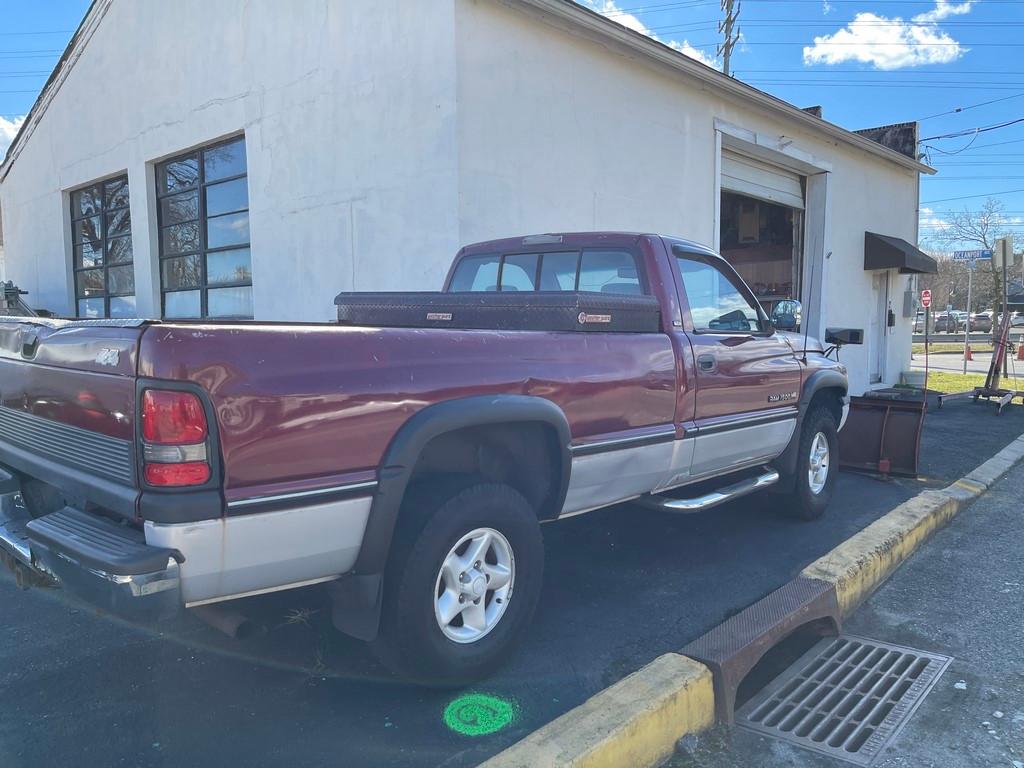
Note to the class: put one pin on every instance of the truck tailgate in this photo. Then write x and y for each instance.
(67, 406)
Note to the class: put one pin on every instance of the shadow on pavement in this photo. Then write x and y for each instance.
(622, 586)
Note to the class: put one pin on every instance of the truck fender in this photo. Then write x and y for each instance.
(826, 378)
(358, 596)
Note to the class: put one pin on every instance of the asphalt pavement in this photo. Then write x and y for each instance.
(622, 586)
(962, 595)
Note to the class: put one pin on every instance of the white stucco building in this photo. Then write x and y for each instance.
(255, 158)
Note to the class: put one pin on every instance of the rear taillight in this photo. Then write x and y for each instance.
(174, 432)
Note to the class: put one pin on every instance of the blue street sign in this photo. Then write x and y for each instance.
(972, 255)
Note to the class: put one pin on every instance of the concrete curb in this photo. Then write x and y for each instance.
(637, 721)
(859, 565)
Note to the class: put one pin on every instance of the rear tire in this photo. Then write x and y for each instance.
(433, 574)
(817, 465)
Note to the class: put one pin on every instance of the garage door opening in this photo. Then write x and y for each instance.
(761, 227)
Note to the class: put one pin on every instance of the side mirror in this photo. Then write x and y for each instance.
(786, 315)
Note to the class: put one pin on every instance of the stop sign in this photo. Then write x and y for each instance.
(926, 298)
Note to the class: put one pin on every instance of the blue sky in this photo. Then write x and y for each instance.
(866, 63)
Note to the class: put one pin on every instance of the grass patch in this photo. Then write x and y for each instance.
(946, 382)
(945, 347)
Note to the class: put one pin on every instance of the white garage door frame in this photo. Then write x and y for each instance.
(787, 156)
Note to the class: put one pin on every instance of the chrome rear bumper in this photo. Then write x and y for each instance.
(64, 555)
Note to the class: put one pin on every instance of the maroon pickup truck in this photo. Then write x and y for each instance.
(409, 453)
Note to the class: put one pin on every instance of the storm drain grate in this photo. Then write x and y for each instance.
(847, 697)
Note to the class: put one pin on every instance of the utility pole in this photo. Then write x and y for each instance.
(730, 31)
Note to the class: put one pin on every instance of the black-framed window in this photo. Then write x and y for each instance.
(595, 270)
(101, 233)
(203, 217)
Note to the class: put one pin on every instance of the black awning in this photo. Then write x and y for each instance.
(885, 252)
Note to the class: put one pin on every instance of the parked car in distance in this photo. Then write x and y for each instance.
(409, 453)
(981, 322)
(946, 322)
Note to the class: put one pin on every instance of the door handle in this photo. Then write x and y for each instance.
(706, 363)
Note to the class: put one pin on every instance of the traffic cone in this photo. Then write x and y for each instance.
(1020, 347)
(967, 352)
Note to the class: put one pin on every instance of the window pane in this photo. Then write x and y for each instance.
(180, 238)
(185, 272)
(178, 174)
(85, 256)
(229, 302)
(228, 267)
(715, 303)
(226, 197)
(119, 223)
(609, 272)
(115, 193)
(85, 202)
(88, 231)
(232, 229)
(179, 208)
(122, 306)
(90, 283)
(182, 304)
(519, 272)
(558, 271)
(121, 280)
(90, 308)
(476, 273)
(119, 250)
(225, 160)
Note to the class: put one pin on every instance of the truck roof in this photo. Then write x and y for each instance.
(577, 239)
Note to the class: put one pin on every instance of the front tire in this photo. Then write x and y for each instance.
(463, 579)
(817, 466)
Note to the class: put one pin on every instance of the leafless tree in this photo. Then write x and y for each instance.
(968, 229)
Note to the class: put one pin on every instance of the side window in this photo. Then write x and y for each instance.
(716, 303)
(558, 271)
(476, 273)
(519, 272)
(102, 230)
(609, 272)
(203, 215)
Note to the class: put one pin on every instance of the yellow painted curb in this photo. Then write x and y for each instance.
(863, 562)
(635, 722)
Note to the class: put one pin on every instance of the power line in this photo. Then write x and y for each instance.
(46, 32)
(957, 110)
(970, 131)
(969, 197)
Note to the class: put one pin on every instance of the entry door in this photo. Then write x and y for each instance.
(747, 379)
(879, 325)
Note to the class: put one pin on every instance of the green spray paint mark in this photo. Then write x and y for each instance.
(478, 714)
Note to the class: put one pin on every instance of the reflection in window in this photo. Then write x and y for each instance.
(203, 212)
(716, 303)
(101, 231)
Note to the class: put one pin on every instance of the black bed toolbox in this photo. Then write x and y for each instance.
(579, 311)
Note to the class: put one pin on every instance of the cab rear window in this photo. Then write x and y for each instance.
(601, 271)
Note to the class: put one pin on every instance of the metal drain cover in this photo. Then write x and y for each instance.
(847, 697)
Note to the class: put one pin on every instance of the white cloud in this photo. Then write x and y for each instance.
(826, 7)
(611, 10)
(942, 10)
(8, 130)
(891, 43)
(929, 220)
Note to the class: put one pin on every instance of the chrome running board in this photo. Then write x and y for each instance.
(714, 498)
